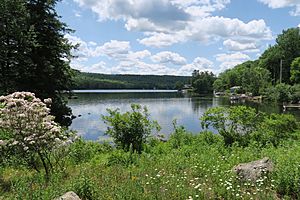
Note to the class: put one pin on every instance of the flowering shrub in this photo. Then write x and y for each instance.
(30, 129)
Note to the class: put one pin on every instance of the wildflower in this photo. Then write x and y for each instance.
(197, 186)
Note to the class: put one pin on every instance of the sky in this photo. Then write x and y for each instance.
(172, 37)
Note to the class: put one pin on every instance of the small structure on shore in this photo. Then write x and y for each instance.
(286, 106)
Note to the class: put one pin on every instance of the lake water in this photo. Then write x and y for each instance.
(164, 106)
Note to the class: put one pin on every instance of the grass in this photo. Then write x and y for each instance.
(185, 167)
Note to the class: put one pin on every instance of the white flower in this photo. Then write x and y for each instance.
(197, 186)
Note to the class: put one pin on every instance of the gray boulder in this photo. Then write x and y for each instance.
(254, 170)
(69, 196)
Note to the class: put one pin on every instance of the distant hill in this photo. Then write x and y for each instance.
(107, 81)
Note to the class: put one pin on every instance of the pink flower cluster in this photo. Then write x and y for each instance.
(28, 122)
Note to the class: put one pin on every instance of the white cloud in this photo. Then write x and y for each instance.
(113, 49)
(167, 22)
(83, 50)
(284, 3)
(168, 57)
(241, 45)
(199, 63)
(210, 29)
(161, 39)
(230, 60)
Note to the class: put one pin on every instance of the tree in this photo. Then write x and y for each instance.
(286, 49)
(131, 129)
(36, 59)
(289, 44)
(16, 42)
(295, 71)
(234, 124)
(252, 78)
(202, 82)
(270, 60)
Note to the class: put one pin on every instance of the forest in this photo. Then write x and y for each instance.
(83, 80)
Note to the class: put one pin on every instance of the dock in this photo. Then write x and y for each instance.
(290, 106)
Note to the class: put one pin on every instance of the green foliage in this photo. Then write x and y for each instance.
(83, 151)
(276, 128)
(287, 48)
(200, 168)
(122, 158)
(179, 85)
(34, 54)
(248, 75)
(234, 124)
(295, 70)
(244, 125)
(106, 81)
(255, 76)
(281, 93)
(180, 137)
(85, 188)
(202, 82)
(131, 129)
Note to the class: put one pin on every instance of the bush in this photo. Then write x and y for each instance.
(276, 128)
(85, 188)
(30, 131)
(234, 124)
(131, 129)
(242, 125)
(82, 151)
(280, 93)
(180, 137)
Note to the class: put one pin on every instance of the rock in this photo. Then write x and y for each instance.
(69, 196)
(253, 170)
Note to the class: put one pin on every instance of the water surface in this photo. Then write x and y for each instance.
(164, 106)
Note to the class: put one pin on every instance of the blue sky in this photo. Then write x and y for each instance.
(173, 37)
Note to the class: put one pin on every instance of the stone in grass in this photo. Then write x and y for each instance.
(69, 196)
(253, 170)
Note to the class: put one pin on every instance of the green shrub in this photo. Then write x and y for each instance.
(131, 129)
(180, 137)
(243, 125)
(120, 157)
(234, 124)
(280, 93)
(82, 151)
(85, 188)
(276, 128)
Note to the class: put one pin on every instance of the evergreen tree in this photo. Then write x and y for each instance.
(37, 54)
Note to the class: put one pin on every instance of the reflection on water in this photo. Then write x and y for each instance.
(163, 107)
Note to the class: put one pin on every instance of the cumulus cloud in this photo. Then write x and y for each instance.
(241, 45)
(127, 61)
(199, 63)
(113, 49)
(168, 57)
(83, 50)
(167, 22)
(284, 3)
(230, 60)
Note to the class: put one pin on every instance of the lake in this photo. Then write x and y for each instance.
(163, 105)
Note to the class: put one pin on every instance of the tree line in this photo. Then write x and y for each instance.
(275, 74)
(85, 80)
